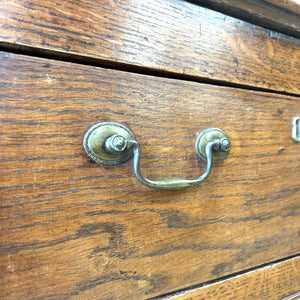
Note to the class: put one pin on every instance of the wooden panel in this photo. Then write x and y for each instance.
(293, 297)
(289, 5)
(74, 229)
(173, 35)
(280, 15)
(272, 282)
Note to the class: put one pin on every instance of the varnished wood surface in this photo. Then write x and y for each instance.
(172, 35)
(279, 15)
(72, 229)
(289, 5)
(273, 282)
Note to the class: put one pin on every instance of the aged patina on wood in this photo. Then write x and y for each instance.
(272, 282)
(280, 15)
(172, 36)
(77, 230)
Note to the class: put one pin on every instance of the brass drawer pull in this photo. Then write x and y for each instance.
(112, 143)
(296, 129)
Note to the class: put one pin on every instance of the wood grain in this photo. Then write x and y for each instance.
(289, 5)
(273, 282)
(279, 15)
(173, 35)
(73, 229)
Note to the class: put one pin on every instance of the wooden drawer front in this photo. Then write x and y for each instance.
(74, 229)
(171, 35)
(273, 282)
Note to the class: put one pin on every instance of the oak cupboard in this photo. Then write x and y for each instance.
(74, 229)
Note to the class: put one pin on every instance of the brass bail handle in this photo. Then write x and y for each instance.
(112, 143)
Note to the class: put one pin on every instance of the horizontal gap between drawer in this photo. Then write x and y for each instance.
(231, 276)
(91, 61)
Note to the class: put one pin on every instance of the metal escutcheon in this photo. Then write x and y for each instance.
(94, 143)
(112, 143)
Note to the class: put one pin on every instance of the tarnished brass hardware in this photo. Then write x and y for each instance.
(112, 143)
(296, 129)
(209, 135)
(101, 146)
